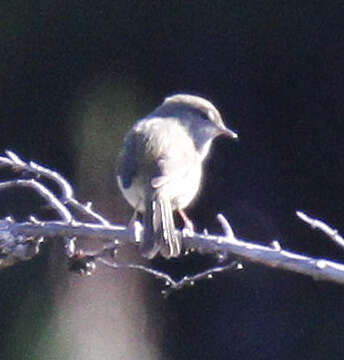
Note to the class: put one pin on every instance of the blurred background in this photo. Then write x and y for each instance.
(76, 74)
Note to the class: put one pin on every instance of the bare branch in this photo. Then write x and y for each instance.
(170, 283)
(44, 192)
(318, 269)
(322, 226)
(18, 164)
(75, 229)
(21, 240)
(66, 188)
(87, 210)
(275, 257)
(4, 161)
(16, 161)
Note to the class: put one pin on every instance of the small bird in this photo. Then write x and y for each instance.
(160, 166)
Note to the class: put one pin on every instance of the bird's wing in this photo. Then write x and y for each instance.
(127, 162)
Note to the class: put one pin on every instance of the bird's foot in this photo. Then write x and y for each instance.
(188, 229)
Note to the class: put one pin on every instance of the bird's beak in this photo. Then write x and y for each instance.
(228, 132)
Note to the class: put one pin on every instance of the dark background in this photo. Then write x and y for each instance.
(275, 71)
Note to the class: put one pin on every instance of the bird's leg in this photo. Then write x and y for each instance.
(136, 227)
(133, 219)
(188, 224)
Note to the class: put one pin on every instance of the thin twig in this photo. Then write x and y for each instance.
(87, 210)
(66, 189)
(44, 192)
(322, 226)
(170, 283)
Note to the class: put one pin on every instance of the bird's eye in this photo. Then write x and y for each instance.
(209, 115)
(204, 116)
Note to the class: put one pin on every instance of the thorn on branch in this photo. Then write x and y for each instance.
(227, 229)
(276, 245)
(221, 257)
(17, 163)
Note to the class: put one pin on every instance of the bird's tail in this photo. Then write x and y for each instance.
(159, 230)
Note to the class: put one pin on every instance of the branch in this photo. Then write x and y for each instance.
(21, 240)
(171, 284)
(323, 227)
(274, 256)
(44, 192)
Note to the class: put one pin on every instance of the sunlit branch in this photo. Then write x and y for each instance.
(21, 240)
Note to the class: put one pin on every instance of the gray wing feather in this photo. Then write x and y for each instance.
(127, 164)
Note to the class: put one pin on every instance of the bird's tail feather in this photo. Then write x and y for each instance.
(152, 242)
(159, 230)
(171, 243)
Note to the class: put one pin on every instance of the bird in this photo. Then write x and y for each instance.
(160, 166)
